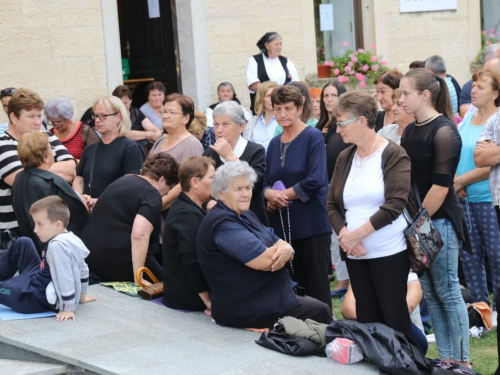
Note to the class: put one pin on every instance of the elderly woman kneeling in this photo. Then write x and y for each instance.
(244, 262)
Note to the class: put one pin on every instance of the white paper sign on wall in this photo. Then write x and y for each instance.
(326, 17)
(154, 8)
(426, 5)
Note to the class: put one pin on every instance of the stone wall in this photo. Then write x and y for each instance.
(55, 48)
(235, 26)
(404, 37)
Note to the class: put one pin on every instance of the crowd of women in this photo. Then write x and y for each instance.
(241, 216)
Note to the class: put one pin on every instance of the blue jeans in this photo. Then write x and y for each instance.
(444, 299)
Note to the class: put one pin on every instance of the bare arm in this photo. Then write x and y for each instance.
(254, 86)
(348, 309)
(463, 109)
(414, 295)
(474, 175)
(139, 135)
(205, 297)
(141, 232)
(435, 198)
(167, 200)
(78, 184)
(9, 180)
(264, 261)
(486, 154)
(65, 169)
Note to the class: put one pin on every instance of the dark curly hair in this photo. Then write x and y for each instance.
(161, 165)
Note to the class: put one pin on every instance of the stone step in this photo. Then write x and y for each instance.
(11, 367)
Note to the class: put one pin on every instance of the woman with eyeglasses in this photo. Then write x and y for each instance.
(113, 156)
(367, 194)
(5, 96)
(177, 114)
(74, 135)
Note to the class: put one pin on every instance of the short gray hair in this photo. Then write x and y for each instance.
(226, 173)
(59, 108)
(489, 52)
(436, 64)
(232, 109)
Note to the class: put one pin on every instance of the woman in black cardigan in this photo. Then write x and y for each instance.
(229, 122)
(185, 287)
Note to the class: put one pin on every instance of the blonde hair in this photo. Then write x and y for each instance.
(261, 94)
(112, 104)
(32, 149)
(199, 124)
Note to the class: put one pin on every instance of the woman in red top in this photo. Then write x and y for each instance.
(74, 135)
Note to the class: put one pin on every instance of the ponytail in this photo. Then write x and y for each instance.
(443, 100)
(424, 79)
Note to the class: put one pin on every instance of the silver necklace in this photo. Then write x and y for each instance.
(367, 157)
(289, 232)
(285, 147)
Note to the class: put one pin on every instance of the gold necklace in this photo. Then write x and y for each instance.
(365, 159)
(428, 120)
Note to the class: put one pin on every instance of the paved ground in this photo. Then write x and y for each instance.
(119, 334)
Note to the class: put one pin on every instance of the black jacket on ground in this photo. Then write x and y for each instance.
(33, 184)
(391, 351)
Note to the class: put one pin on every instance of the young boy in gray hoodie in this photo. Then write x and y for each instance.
(59, 279)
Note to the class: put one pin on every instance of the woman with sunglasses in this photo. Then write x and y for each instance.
(113, 156)
(367, 194)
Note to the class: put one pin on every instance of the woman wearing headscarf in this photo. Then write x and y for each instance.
(269, 65)
(225, 92)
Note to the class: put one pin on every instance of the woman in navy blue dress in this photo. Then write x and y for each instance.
(295, 186)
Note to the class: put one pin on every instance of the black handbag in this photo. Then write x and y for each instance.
(422, 238)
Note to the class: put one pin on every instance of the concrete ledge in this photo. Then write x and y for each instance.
(30, 368)
(119, 334)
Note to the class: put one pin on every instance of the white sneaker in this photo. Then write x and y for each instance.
(494, 318)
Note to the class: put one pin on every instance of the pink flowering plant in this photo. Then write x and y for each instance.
(357, 68)
(488, 38)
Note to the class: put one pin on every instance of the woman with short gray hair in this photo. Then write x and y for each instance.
(244, 262)
(75, 135)
(229, 122)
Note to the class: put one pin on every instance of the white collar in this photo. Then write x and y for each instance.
(238, 149)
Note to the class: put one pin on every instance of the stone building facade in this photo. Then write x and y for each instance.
(72, 47)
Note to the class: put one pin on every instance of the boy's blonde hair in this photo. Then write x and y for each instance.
(56, 208)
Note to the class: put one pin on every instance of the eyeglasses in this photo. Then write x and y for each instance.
(343, 124)
(7, 92)
(103, 117)
(170, 113)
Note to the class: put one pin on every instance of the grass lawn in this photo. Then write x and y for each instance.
(483, 351)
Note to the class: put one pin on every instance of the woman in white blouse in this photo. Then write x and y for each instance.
(269, 65)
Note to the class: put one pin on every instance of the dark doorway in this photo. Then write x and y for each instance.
(150, 45)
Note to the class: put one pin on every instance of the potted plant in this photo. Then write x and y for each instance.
(486, 40)
(357, 68)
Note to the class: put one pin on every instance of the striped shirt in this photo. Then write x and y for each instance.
(10, 163)
(491, 132)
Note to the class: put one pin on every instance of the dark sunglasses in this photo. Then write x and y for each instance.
(7, 92)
